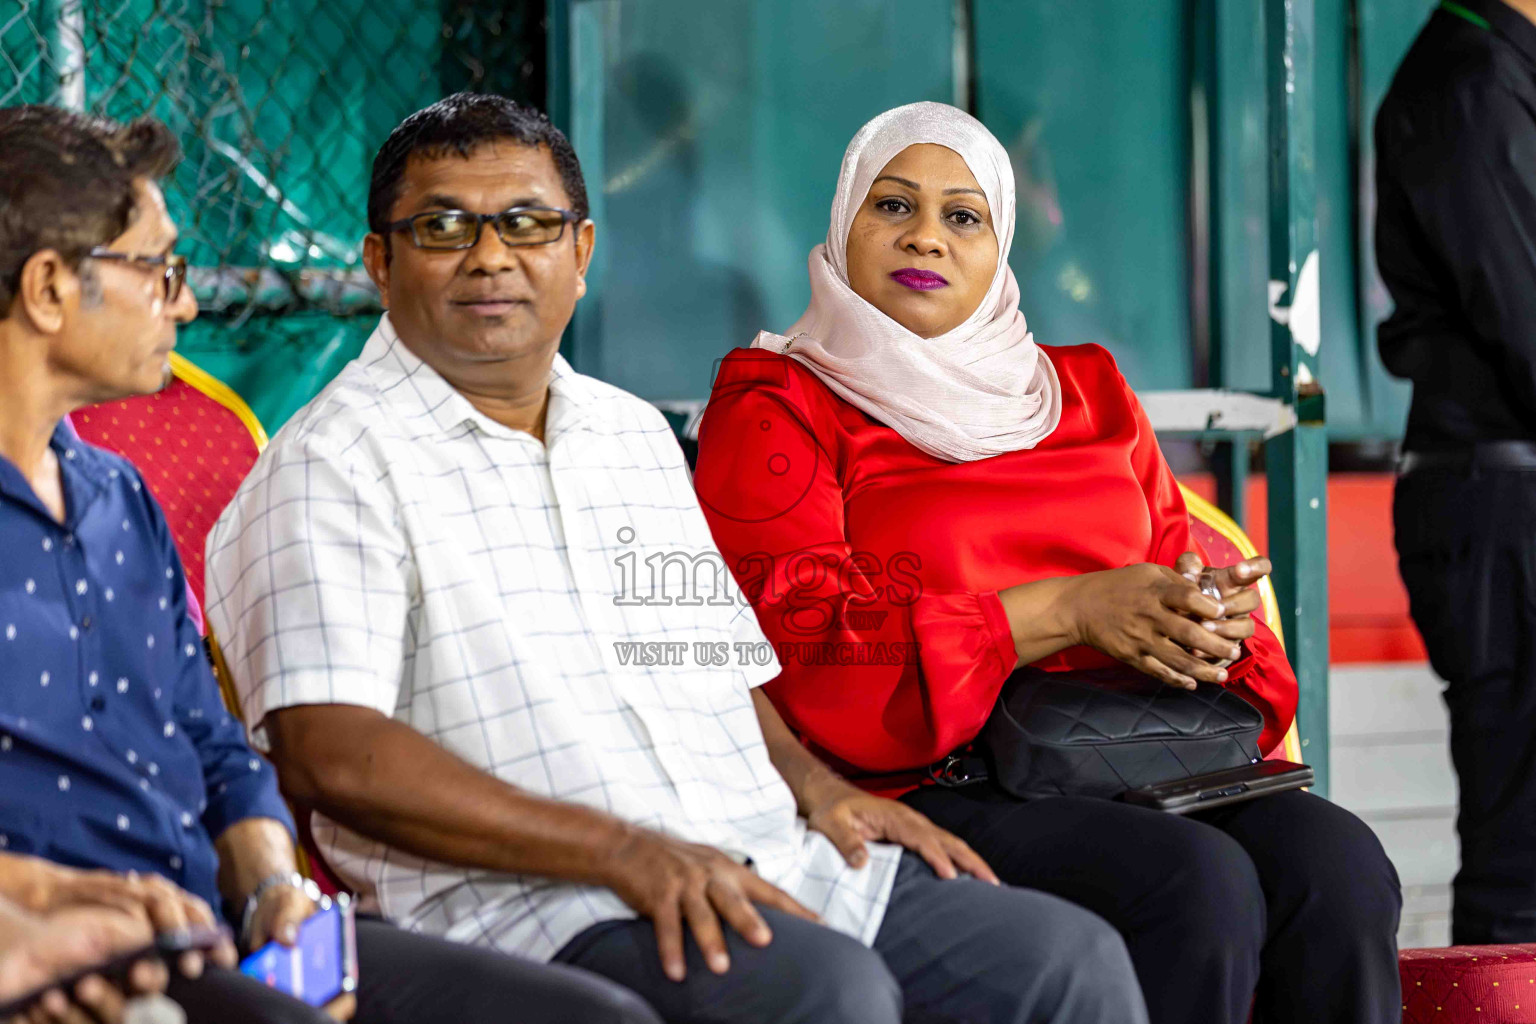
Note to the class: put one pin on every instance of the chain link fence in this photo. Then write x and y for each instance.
(280, 106)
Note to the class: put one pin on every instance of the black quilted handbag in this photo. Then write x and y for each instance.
(1100, 732)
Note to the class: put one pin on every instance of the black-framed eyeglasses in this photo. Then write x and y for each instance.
(460, 229)
(174, 264)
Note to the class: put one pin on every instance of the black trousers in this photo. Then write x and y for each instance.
(405, 978)
(1466, 546)
(1286, 904)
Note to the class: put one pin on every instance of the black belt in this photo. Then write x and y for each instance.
(1489, 455)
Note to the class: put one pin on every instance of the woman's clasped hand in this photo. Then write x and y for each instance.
(1153, 618)
(1157, 620)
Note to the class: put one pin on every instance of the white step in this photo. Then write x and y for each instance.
(1391, 765)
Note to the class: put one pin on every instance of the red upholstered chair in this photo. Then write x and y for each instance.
(1225, 543)
(193, 442)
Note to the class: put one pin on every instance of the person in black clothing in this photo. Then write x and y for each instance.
(1456, 244)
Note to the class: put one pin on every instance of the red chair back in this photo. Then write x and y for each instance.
(194, 442)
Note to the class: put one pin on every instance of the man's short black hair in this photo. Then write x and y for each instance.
(66, 183)
(459, 124)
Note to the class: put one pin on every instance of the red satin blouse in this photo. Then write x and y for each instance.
(874, 567)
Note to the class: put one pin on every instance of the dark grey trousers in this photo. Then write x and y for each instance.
(956, 951)
(406, 978)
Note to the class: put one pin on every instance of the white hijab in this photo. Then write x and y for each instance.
(981, 389)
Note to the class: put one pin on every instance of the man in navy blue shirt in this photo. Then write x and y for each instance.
(116, 751)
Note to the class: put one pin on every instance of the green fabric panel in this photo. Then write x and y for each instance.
(280, 106)
(28, 74)
(276, 363)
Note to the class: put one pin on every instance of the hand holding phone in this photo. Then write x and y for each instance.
(1233, 588)
(1208, 586)
(321, 965)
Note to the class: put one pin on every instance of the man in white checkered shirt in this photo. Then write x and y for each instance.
(444, 596)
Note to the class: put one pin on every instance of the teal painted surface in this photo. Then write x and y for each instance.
(713, 134)
(1363, 401)
(1345, 360)
(1297, 460)
(1240, 219)
(1387, 29)
(1092, 102)
(585, 26)
(1298, 547)
(718, 140)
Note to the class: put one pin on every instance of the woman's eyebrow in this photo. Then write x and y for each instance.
(915, 187)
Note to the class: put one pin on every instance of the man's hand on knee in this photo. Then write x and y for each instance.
(670, 882)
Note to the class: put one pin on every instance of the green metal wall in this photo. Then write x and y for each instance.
(715, 132)
(1358, 44)
(1092, 101)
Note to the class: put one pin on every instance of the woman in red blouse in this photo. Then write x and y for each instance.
(918, 499)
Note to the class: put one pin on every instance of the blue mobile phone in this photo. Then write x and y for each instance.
(323, 962)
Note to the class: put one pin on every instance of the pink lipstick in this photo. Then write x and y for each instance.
(919, 280)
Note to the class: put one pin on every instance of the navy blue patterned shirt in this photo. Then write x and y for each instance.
(115, 748)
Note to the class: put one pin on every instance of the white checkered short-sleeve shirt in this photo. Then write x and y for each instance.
(396, 549)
